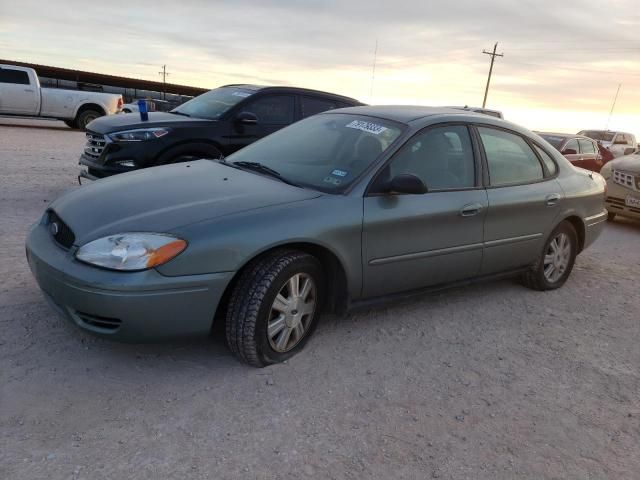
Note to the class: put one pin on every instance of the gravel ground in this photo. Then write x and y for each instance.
(492, 381)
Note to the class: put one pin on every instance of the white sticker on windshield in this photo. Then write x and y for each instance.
(241, 94)
(366, 127)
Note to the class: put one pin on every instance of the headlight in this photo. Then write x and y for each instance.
(131, 251)
(605, 171)
(139, 135)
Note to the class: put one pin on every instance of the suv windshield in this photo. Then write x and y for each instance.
(600, 135)
(213, 104)
(326, 152)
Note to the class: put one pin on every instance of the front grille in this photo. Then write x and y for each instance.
(95, 145)
(104, 323)
(60, 232)
(627, 180)
(620, 204)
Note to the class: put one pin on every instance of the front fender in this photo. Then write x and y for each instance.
(226, 244)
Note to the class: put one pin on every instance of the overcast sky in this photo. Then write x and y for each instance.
(563, 59)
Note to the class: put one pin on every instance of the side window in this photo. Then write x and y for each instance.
(510, 158)
(312, 105)
(273, 109)
(552, 168)
(571, 145)
(586, 146)
(442, 157)
(8, 75)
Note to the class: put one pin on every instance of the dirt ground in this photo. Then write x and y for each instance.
(492, 381)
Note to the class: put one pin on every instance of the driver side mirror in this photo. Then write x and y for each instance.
(569, 151)
(407, 183)
(247, 118)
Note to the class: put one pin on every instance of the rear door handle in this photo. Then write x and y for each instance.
(552, 199)
(471, 209)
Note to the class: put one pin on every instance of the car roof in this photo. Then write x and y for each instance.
(285, 89)
(563, 135)
(604, 131)
(405, 113)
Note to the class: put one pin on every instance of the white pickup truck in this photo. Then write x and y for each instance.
(21, 95)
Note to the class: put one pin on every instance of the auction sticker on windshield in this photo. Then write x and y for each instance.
(367, 127)
(632, 201)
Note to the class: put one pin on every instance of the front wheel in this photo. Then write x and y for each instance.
(274, 307)
(611, 216)
(188, 153)
(554, 266)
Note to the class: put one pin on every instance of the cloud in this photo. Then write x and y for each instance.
(559, 55)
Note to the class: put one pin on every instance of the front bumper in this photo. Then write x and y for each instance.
(124, 306)
(616, 200)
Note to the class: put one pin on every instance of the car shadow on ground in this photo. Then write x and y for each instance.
(211, 352)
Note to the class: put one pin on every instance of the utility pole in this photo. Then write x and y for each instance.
(164, 81)
(493, 58)
(615, 99)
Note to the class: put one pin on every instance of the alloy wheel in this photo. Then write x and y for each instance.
(557, 257)
(292, 312)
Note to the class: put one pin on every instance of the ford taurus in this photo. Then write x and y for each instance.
(339, 210)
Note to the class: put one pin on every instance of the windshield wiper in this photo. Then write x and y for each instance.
(175, 112)
(259, 167)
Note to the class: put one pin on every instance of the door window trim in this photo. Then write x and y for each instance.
(487, 178)
(476, 163)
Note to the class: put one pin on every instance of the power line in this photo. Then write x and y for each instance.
(493, 58)
(373, 70)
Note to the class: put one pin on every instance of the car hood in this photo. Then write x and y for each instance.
(126, 121)
(628, 163)
(161, 199)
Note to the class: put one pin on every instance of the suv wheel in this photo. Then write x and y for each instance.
(189, 152)
(274, 307)
(553, 267)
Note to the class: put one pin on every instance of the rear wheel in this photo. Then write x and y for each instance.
(70, 124)
(554, 266)
(85, 117)
(274, 307)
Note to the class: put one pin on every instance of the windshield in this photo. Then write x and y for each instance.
(325, 152)
(554, 140)
(213, 104)
(598, 135)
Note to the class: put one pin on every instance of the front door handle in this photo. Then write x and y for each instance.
(552, 199)
(471, 209)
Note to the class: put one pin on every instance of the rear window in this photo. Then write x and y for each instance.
(600, 135)
(8, 75)
(554, 140)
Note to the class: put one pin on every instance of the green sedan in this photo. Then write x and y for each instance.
(343, 209)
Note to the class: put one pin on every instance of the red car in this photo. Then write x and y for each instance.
(581, 151)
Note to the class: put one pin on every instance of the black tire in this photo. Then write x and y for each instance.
(535, 278)
(71, 124)
(251, 302)
(85, 117)
(611, 216)
(188, 152)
